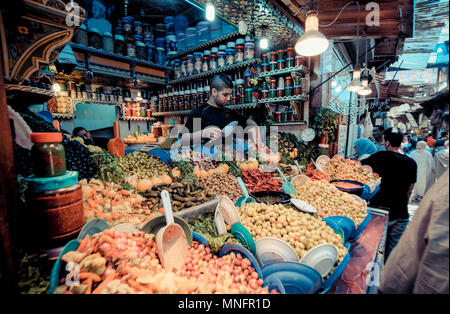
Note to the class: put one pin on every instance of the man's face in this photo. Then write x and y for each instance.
(222, 98)
(86, 136)
(377, 134)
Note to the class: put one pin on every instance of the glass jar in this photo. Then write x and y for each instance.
(247, 78)
(277, 116)
(280, 54)
(213, 61)
(177, 68)
(131, 47)
(273, 61)
(205, 64)
(230, 56)
(297, 90)
(284, 116)
(190, 65)
(299, 60)
(81, 35)
(290, 52)
(281, 61)
(200, 96)
(290, 62)
(221, 62)
(127, 25)
(48, 155)
(239, 57)
(249, 50)
(137, 28)
(150, 50)
(280, 87)
(160, 56)
(222, 48)
(288, 91)
(265, 90)
(119, 45)
(198, 61)
(146, 30)
(240, 91)
(141, 49)
(248, 95)
(183, 67)
(288, 81)
(290, 116)
(95, 40)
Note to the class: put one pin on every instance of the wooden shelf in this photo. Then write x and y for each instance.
(214, 72)
(301, 68)
(208, 44)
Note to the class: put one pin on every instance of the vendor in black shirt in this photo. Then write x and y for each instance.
(207, 121)
(398, 174)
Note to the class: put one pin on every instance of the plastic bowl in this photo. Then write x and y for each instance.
(321, 257)
(227, 248)
(57, 270)
(357, 191)
(278, 197)
(92, 227)
(296, 278)
(200, 239)
(243, 235)
(346, 224)
(272, 250)
(273, 282)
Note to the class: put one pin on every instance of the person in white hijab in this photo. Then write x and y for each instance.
(425, 163)
(441, 161)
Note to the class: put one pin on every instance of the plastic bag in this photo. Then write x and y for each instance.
(368, 126)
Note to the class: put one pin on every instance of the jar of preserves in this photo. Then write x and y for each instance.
(200, 95)
(160, 56)
(280, 87)
(290, 52)
(213, 61)
(137, 28)
(290, 116)
(131, 47)
(240, 91)
(95, 39)
(248, 97)
(183, 67)
(207, 90)
(249, 49)
(230, 56)
(48, 155)
(247, 77)
(265, 90)
(273, 61)
(198, 62)
(299, 60)
(221, 62)
(239, 53)
(288, 81)
(222, 48)
(150, 50)
(190, 65)
(298, 90)
(141, 49)
(288, 91)
(280, 54)
(177, 68)
(205, 64)
(119, 45)
(81, 35)
(290, 62)
(284, 116)
(127, 25)
(278, 116)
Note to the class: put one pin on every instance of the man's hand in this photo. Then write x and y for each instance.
(212, 133)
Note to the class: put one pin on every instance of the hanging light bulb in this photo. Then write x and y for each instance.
(56, 87)
(138, 96)
(312, 42)
(355, 85)
(263, 43)
(210, 11)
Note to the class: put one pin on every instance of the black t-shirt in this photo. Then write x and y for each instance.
(212, 116)
(397, 172)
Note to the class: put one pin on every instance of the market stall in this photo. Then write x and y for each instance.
(285, 214)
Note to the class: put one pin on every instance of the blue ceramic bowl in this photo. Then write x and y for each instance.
(297, 278)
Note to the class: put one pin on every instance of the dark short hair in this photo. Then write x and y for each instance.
(78, 130)
(445, 133)
(221, 82)
(380, 127)
(393, 136)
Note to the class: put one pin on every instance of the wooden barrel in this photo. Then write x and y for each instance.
(59, 213)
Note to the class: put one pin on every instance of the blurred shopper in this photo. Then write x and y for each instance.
(378, 137)
(439, 144)
(364, 148)
(398, 173)
(362, 119)
(441, 161)
(424, 161)
(430, 140)
(419, 264)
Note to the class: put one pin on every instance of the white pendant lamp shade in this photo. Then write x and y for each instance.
(313, 42)
(366, 90)
(210, 11)
(356, 86)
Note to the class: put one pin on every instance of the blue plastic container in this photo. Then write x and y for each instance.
(297, 278)
(203, 34)
(273, 282)
(357, 233)
(180, 23)
(346, 224)
(53, 183)
(227, 28)
(191, 37)
(161, 154)
(216, 29)
(199, 238)
(92, 227)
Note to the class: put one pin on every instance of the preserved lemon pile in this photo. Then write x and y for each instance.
(329, 201)
(347, 169)
(302, 231)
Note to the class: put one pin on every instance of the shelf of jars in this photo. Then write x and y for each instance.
(76, 101)
(283, 99)
(208, 44)
(242, 106)
(171, 113)
(132, 118)
(301, 69)
(106, 54)
(223, 69)
(15, 90)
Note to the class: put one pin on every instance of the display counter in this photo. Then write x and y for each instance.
(361, 276)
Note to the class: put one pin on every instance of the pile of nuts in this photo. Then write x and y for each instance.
(222, 184)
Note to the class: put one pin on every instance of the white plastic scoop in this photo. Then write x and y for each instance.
(171, 240)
